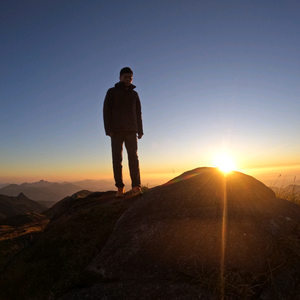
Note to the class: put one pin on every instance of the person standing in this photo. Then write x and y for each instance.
(122, 115)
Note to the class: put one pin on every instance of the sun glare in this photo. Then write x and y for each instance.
(224, 163)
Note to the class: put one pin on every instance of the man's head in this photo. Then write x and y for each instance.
(126, 76)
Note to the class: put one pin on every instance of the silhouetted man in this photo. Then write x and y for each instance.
(122, 116)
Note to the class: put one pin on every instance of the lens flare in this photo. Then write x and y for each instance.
(224, 163)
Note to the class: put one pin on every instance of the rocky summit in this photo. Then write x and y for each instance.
(203, 235)
(201, 226)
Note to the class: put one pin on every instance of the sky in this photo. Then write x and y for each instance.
(213, 77)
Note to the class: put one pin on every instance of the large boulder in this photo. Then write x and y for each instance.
(199, 222)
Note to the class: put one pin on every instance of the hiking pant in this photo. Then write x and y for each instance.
(130, 140)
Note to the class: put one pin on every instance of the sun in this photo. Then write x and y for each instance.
(224, 163)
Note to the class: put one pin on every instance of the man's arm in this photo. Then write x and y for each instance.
(107, 113)
(139, 117)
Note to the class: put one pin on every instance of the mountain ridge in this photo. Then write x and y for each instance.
(53, 192)
(41, 191)
(11, 206)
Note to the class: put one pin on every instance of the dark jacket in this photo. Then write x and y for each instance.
(122, 110)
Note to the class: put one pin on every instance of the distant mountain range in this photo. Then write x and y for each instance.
(52, 192)
(96, 185)
(41, 191)
(20, 205)
(292, 190)
(3, 185)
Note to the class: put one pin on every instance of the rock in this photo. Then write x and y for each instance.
(23, 219)
(199, 222)
(69, 205)
(139, 291)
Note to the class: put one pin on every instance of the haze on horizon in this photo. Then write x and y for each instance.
(213, 77)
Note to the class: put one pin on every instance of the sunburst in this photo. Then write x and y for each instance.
(224, 162)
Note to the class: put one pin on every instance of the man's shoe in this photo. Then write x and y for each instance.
(120, 192)
(136, 191)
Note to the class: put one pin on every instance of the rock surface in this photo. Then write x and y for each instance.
(75, 202)
(199, 222)
(133, 290)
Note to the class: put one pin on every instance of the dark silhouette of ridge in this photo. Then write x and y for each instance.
(20, 205)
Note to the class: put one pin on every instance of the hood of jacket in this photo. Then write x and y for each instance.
(121, 85)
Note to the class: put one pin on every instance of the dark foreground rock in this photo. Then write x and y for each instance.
(133, 290)
(227, 234)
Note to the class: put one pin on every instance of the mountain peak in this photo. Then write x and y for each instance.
(21, 195)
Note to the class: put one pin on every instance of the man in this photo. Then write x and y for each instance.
(122, 117)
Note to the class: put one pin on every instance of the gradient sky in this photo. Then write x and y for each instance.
(212, 76)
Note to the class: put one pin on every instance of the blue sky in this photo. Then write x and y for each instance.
(212, 76)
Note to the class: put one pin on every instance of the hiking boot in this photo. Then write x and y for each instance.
(120, 192)
(136, 191)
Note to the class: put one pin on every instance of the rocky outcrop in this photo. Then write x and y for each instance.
(203, 235)
(200, 223)
(77, 201)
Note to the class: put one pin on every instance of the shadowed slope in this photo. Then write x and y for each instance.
(51, 263)
(20, 205)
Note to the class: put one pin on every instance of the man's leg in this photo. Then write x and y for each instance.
(133, 160)
(117, 150)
